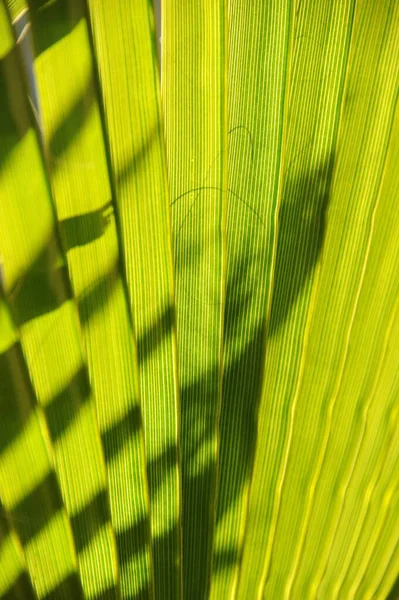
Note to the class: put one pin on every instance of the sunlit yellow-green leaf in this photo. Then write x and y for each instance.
(85, 203)
(30, 499)
(14, 577)
(322, 362)
(37, 284)
(194, 71)
(257, 199)
(126, 57)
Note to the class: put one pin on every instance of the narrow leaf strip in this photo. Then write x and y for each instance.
(126, 57)
(194, 78)
(316, 76)
(75, 150)
(34, 527)
(39, 291)
(360, 442)
(259, 39)
(325, 394)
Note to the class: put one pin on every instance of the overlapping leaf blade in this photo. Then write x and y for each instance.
(33, 518)
(314, 437)
(259, 53)
(85, 203)
(194, 70)
(127, 64)
(37, 284)
(281, 129)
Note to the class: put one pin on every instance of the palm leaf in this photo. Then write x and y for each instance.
(196, 142)
(38, 287)
(248, 447)
(130, 93)
(81, 182)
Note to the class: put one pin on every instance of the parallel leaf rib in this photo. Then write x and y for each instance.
(38, 288)
(259, 38)
(37, 533)
(73, 137)
(194, 79)
(126, 56)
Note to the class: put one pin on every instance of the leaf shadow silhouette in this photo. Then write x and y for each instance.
(302, 226)
(45, 286)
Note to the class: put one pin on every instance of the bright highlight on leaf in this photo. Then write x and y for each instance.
(199, 300)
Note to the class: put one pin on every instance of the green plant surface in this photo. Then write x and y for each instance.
(194, 63)
(32, 516)
(37, 283)
(126, 58)
(199, 300)
(85, 203)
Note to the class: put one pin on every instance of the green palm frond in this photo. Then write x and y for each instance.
(199, 300)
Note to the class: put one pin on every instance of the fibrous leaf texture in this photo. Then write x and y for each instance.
(199, 300)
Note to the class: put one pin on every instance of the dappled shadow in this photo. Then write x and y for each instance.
(17, 400)
(43, 289)
(61, 411)
(95, 298)
(134, 162)
(14, 111)
(53, 21)
(394, 592)
(301, 231)
(149, 341)
(237, 433)
(89, 520)
(167, 584)
(118, 434)
(139, 532)
(69, 587)
(71, 124)
(37, 508)
(21, 587)
(34, 512)
(17, 405)
(167, 458)
(85, 228)
(46, 285)
(39, 293)
(225, 559)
